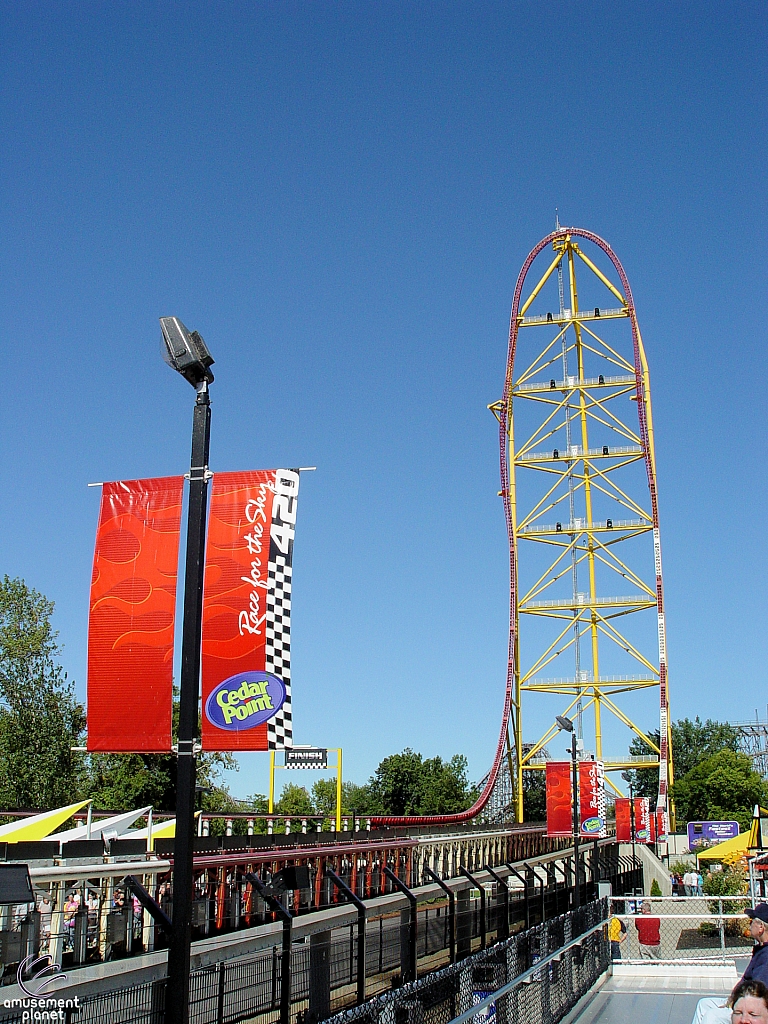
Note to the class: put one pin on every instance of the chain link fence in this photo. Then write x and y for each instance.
(324, 965)
(673, 928)
(534, 977)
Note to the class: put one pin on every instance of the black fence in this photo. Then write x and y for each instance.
(323, 966)
(534, 977)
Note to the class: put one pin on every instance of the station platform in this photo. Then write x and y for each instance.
(654, 994)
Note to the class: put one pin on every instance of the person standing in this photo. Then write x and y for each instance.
(617, 933)
(648, 933)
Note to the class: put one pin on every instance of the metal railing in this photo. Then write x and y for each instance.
(536, 976)
(577, 452)
(323, 966)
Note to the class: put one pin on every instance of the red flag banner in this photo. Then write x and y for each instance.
(559, 807)
(642, 819)
(592, 799)
(246, 657)
(623, 820)
(130, 627)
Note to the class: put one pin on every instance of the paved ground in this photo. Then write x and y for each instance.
(654, 997)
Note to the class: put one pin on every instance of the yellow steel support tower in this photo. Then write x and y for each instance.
(579, 487)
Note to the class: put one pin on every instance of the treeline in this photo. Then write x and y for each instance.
(41, 720)
(714, 779)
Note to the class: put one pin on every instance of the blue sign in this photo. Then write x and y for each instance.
(244, 701)
(709, 833)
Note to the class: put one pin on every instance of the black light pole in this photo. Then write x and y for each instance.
(628, 780)
(187, 353)
(566, 725)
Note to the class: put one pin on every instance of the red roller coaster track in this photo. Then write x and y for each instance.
(477, 807)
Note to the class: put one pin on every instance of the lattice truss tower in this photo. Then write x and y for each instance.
(578, 468)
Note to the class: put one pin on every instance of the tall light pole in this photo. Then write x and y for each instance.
(187, 353)
(628, 779)
(566, 725)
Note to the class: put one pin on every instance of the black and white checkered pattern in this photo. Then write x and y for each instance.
(278, 646)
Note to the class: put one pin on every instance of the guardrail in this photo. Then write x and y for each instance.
(536, 977)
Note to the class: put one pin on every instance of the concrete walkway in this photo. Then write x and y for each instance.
(664, 995)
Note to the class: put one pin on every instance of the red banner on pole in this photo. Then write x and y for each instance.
(642, 820)
(559, 796)
(130, 627)
(623, 820)
(592, 799)
(246, 667)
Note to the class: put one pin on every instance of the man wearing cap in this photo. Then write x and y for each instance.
(713, 1011)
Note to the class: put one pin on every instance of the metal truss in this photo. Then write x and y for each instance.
(578, 475)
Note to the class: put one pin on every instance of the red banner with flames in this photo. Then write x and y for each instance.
(592, 799)
(132, 606)
(559, 806)
(642, 820)
(246, 667)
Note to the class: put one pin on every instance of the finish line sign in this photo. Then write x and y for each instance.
(306, 757)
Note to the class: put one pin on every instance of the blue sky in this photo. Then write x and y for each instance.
(339, 197)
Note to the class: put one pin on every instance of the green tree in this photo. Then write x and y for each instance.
(407, 783)
(40, 717)
(294, 802)
(723, 786)
(692, 742)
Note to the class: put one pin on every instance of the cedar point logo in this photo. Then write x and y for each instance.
(40, 1005)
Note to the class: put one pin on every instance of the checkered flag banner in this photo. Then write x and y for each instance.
(247, 611)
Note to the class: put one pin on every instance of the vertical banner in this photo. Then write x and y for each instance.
(130, 625)
(661, 823)
(559, 794)
(246, 656)
(642, 819)
(592, 799)
(623, 820)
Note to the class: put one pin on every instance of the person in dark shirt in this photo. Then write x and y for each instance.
(714, 1011)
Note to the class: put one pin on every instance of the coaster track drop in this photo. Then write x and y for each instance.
(585, 475)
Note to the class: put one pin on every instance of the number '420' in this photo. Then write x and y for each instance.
(284, 509)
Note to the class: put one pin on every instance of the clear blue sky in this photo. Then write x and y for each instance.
(339, 197)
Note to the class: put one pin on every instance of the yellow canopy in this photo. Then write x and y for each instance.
(39, 825)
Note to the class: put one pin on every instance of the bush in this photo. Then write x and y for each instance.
(655, 888)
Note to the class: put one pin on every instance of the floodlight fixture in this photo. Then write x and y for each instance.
(564, 723)
(185, 351)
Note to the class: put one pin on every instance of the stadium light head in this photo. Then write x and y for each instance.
(564, 723)
(185, 352)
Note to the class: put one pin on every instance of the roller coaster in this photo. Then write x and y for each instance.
(570, 447)
(573, 450)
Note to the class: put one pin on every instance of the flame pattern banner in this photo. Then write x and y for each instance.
(559, 797)
(132, 611)
(246, 666)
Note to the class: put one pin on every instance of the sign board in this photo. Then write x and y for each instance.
(15, 886)
(306, 757)
(709, 833)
